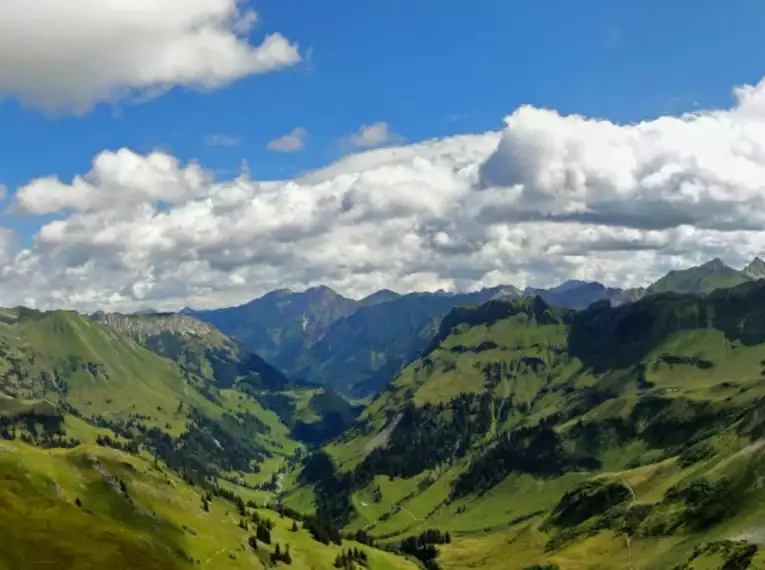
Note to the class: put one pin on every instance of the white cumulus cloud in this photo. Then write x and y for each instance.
(549, 198)
(376, 134)
(117, 180)
(69, 56)
(291, 142)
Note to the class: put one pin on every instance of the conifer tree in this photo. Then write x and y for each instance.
(277, 555)
(263, 534)
(241, 506)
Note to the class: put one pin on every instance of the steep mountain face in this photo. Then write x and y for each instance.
(203, 352)
(703, 279)
(66, 357)
(349, 346)
(281, 324)
(365, 346)
(361, 353)
(576, 428)
(756, 269)
(197, 347)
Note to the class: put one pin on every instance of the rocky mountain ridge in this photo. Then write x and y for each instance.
(355, 347)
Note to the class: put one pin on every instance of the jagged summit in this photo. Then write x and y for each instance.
(716, 265)
(756, 269)
(507, 292)
(566, 286)
(146, 311)
(382, 296)
(141, 325)
(702, 279)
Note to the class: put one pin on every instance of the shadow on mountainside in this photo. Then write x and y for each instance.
(605, 337)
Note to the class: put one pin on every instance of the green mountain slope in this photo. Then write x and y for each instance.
(127, 443)
(198, 348)
(92, 508)
(95, 374)
(66, 357)
(703, 279)
(225, 372)
(624, 436)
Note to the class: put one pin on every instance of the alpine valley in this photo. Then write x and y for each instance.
(568, 428)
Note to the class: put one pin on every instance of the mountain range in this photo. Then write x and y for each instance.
(627, 435)
(573, 427)
(354, 347)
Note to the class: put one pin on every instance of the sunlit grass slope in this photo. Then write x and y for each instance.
(69, 509)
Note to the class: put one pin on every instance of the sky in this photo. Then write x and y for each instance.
(203, 152)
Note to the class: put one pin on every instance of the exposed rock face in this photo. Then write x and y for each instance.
(142, 326)
(756, 269)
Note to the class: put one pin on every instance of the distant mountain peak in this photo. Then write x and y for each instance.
(383, 293)
(571, 284)
(147, 311)
(283, 292)
(381, 296)
(756, 269)
(444, 293)
(322, 290)
(702, 279)
(716, 264)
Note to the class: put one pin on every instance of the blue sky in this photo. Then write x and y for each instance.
(428, 68)
(585, 198)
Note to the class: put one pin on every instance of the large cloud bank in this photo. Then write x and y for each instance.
(549, 198)
(70, 55)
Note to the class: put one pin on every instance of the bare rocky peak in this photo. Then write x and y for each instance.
(142, 326)
(717, 265)
(756, 269)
